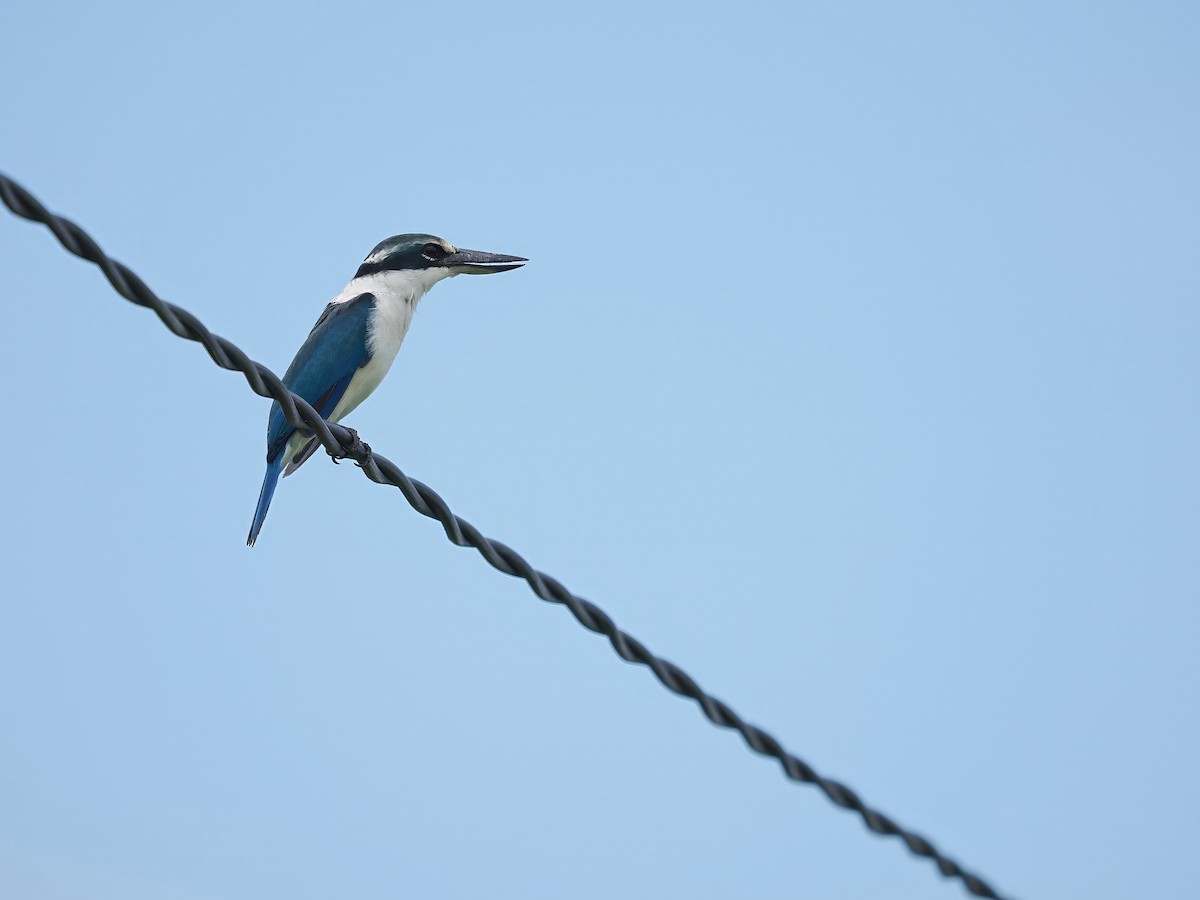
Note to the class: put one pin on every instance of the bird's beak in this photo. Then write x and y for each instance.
(476, 262)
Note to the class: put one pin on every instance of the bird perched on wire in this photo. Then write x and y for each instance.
(353, 344)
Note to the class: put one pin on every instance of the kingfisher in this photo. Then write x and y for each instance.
(356, 339)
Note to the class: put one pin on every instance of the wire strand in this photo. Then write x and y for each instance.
(343, 443)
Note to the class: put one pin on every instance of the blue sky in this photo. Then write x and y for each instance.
(854, 371)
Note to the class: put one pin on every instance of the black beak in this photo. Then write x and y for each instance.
(476, 262)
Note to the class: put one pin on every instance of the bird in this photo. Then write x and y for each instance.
(356, 339)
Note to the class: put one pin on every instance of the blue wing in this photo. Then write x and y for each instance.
(336, 348)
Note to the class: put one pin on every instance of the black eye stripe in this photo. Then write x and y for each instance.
(433, 252)
(396, 259)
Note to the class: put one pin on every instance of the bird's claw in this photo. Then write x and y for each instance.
(338, 455)
(356, 447)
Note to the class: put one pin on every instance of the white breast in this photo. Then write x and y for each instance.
(396, 297)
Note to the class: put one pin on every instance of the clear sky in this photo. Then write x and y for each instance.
(855, 371)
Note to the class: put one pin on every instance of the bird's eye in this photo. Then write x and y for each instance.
(433, 252)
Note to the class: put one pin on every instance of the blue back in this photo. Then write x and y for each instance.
(335, 349)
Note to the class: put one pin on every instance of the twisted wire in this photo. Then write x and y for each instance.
(343, 443)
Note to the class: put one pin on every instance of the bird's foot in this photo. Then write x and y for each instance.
(356, 448)
(338, 455)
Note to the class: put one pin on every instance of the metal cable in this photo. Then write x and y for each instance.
(343, 443)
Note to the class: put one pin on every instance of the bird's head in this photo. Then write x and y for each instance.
(421, 252)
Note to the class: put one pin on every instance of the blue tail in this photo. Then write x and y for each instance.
(264, 498)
